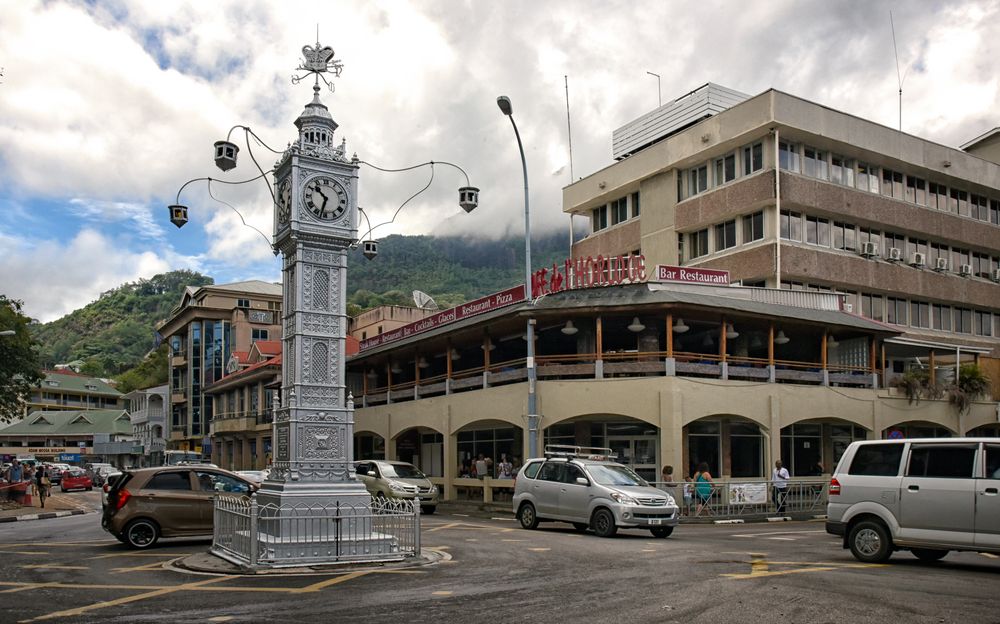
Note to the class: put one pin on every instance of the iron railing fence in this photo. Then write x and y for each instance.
(747, 499)
(254, 535)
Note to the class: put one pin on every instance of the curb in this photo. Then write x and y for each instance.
(45, 516)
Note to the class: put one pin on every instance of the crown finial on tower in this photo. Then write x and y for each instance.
(318, 60)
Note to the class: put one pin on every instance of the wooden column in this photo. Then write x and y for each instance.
(871, 354)
(486, 353)
(600, 338)
(770, 345)
(822, 350)
(930, 363)
(722, 340)
(670, 335)
(447, 357)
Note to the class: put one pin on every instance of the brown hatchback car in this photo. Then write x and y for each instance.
(171, 501)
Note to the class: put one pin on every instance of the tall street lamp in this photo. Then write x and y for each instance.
(505, 107)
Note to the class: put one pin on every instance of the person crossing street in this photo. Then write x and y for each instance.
(779, 484)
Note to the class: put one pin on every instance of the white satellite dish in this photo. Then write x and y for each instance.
(424, 301)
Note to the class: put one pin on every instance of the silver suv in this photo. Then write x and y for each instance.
(929, 496)
(396, 479)
(581, 486)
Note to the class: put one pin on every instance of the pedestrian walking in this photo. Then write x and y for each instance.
(779, 485)
(44, 484)
(703, 488)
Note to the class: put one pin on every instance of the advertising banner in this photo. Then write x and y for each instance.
(747, 493)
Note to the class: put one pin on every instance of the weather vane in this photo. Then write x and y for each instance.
(318, 60)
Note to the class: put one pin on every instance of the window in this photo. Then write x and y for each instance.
(959, 202)
(725, 235)
(963, 320)
(994, 212)
(937, 196)
(871, 306)
(818, 231)
(635, 204)
(753, 158)
(746, 450)
(705, 445)
(552, 471)
(698, 180)
(619, 210)
(242, 303)
(600, 218)
(959, 257)
(981, 265)
(274, 306)
(170, 481)
(916, 190)
(895, 311)
(175, 345)
(844, 236)
(814, 163)
(868, 177)
(979, 207)
(725, 169)
(877, 460)
(893, 241)
(841, 170)
(531, 470)
(842, 436)
(788, 156)
(942, 317)
(915, 246)
(866, 235)
(942, 462)
(937, 251)
(892, 183)
(753, 227)
(920, 314)
(699, 243)
(257, 334)
(801, 447)
(680, 248)
(983, 323)
(791, 225)
(214, 482)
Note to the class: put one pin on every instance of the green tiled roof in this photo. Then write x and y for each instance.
(69, 382)
(82, 422)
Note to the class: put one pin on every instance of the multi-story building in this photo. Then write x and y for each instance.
(71, 436)
(383, 319)
(207, 326)
(147, 409)
(65, 389)
(786, 193)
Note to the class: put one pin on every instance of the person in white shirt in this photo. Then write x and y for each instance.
(779, 485)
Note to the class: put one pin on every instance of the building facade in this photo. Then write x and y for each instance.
(71, 436)
(244, 413)
(383, 319)
(67, 390)
(208, 325)
(147, 409)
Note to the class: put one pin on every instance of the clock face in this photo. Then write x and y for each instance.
(284, 200)
(325, 198)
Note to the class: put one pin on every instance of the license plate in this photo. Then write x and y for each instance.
(655, 521)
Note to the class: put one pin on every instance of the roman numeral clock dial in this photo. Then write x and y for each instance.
(325, 198)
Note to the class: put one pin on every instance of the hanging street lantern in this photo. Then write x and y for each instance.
(225, 155)
(178, 214)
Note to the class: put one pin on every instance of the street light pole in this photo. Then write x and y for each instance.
(505, 107)
(659, 91)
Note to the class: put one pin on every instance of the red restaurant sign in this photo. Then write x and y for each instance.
(589, 272)
(668, 273)
(479, 306)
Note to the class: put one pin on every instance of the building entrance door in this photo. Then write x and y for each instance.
(638, 453)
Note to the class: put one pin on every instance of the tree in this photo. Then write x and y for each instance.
(20, 371)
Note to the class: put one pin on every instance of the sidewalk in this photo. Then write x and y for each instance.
(56, 506)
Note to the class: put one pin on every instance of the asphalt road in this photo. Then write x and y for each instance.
(69, 570)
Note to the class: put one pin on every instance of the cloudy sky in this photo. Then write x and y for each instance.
(107, 108)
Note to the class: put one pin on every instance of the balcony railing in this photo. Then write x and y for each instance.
(624, 364)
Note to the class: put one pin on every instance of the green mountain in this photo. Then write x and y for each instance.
(113, 335)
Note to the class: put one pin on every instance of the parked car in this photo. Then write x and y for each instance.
(75, 479)
(254, 476)
(109, 482)
(396, 479)
(169, 501)
(55, 472)
(928, 496)
(580, 485)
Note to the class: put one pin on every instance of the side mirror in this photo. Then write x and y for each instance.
(582, 481)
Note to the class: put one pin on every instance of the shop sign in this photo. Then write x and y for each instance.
(691, 275)
(259, 316)
(69, 457)
(473, 308)
(589, 272)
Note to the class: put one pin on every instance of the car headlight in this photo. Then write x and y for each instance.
(434, 489)
(671, 501)
(397, 487)
(624, 499)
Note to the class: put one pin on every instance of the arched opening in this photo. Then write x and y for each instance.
(731, 446)
(368, 445)
(635, 443)
(916, 429)
(483, 444)
(424, 448)
(985, 431)
(812, 448)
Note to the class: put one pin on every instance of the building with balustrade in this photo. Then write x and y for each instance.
(68, 390)
(147, 409)
(852, 253)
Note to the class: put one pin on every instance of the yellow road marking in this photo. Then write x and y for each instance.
(991, 556)
(24, 552)
(141, 554)
(437, 547)
(125, 600)
(539, 549)
(648, 550)
(513, 540)
(52, 566)
(441, 593)
(758, 565)
(221, 618)
(471, 539)
(155, 565)
(778, 573)
(315, 587)
(27, 586)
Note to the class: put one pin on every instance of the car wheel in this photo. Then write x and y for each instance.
(63, 490)
(141, 533)
(89, 489)
(603, 522)
(526, 516)
(928, 554)
(870, 542)
(428, 509)
(581, 526)
(662, 531)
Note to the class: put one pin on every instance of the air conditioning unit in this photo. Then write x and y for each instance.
(895, 254)
(995, 275)
(917, 260)
(965, 270)
(869, 249)
(941, 264)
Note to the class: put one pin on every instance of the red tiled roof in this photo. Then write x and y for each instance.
(243, 357)
(275, 361)
(268, 347)
(353, 345)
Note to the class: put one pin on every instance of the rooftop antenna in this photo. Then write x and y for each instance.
(569, 132)
(659, 91)
(899, 78)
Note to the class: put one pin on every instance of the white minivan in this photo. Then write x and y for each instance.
(928, 496)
